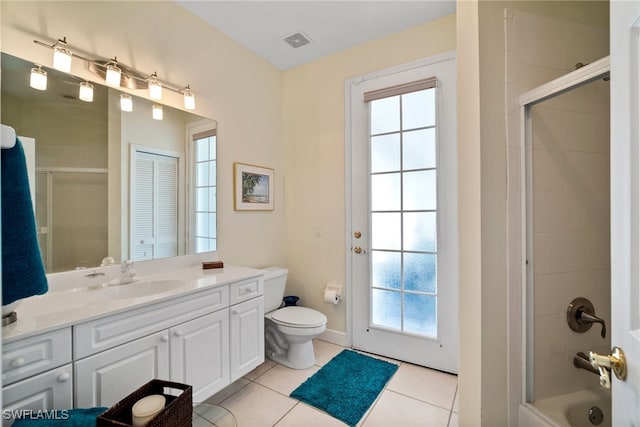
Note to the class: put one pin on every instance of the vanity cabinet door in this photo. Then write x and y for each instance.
(200, 354)
(105, 378)
(247, 336)
(47, 391)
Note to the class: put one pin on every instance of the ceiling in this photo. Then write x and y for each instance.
(331, 26)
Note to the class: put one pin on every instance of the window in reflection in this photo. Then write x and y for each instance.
(204, 168)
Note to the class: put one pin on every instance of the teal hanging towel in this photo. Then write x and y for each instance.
(23, 273)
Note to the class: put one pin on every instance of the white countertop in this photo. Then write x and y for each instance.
(67, 307)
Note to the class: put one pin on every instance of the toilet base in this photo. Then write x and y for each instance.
(298, 356)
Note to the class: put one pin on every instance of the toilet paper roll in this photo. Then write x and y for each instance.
(331, 297)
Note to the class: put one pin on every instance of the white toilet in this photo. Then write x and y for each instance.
(288, 331)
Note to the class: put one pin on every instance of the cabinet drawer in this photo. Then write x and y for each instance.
(245, 290)
(108, 332)
(30, 356)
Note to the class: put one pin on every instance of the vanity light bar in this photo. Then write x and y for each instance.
(113, 72)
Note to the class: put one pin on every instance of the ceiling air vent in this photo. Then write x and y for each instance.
(297, 39)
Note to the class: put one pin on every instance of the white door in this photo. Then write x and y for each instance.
(403, 212)
(625, 212)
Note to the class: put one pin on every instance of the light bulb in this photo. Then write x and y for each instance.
(157, 112)
(38, 78)
(189, 99)
(126, 103)
(86, 92)
(113, 75)
(61, 57)
(155, 88)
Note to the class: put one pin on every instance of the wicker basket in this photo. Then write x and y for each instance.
(177, 412)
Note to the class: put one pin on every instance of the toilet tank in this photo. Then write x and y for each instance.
(275, 280)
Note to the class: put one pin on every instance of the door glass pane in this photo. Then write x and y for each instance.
(419, 231)
(419, 190)
(420, 272)
(418, 109)
(419, 149)
(420, 314)
(385, 192)
(385, 153)
(386, 308)
(385, 115)
(386, 269)
(385, 231)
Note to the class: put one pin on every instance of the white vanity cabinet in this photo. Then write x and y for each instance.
(247, 326)
(200, 354)
(207, 337)
(186, 334)
(37, 372)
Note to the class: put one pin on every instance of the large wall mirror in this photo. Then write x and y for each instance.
(109, 184)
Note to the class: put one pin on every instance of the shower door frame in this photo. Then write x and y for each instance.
(572, 80)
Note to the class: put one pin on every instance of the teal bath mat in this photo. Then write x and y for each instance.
(346, 387)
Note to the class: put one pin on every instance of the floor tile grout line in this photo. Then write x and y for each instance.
(420, 400)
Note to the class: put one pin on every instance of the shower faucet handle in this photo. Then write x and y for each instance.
(581, 316)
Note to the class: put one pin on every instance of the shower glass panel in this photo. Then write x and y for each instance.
(71, 215)
(568, 233)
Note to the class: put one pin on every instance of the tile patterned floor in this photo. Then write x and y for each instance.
(415, 396)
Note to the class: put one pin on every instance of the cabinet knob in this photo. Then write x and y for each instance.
(236, 312)
(17, 362)
(164, 338)
(177, 333)
(64, 377)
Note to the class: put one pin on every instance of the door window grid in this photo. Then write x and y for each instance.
(403, 222)
(205, 193)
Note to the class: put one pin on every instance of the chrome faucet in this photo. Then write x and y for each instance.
(127, 273)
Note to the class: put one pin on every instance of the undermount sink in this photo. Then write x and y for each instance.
(142, 289)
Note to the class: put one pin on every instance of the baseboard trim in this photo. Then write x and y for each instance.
(334, 337)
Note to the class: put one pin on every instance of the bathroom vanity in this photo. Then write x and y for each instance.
(86, 347)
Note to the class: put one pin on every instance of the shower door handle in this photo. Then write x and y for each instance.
(615, 362)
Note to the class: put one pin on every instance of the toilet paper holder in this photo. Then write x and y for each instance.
(334, 288)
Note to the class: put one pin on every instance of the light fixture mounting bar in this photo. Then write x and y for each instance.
(133, 79)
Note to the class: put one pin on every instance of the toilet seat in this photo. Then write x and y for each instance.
(299, 317)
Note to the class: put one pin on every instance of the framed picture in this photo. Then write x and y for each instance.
(253, 187)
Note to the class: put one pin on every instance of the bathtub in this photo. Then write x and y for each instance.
(571, 410)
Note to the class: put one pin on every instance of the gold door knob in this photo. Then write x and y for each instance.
(357, 234)
(615, 362)
(359, 250)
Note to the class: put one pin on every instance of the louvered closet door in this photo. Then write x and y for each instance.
(154, 203)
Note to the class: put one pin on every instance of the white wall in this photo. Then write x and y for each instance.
(232, 85)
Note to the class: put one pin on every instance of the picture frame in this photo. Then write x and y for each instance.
(253, 187)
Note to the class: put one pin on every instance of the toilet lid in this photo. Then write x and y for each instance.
(299, 316)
